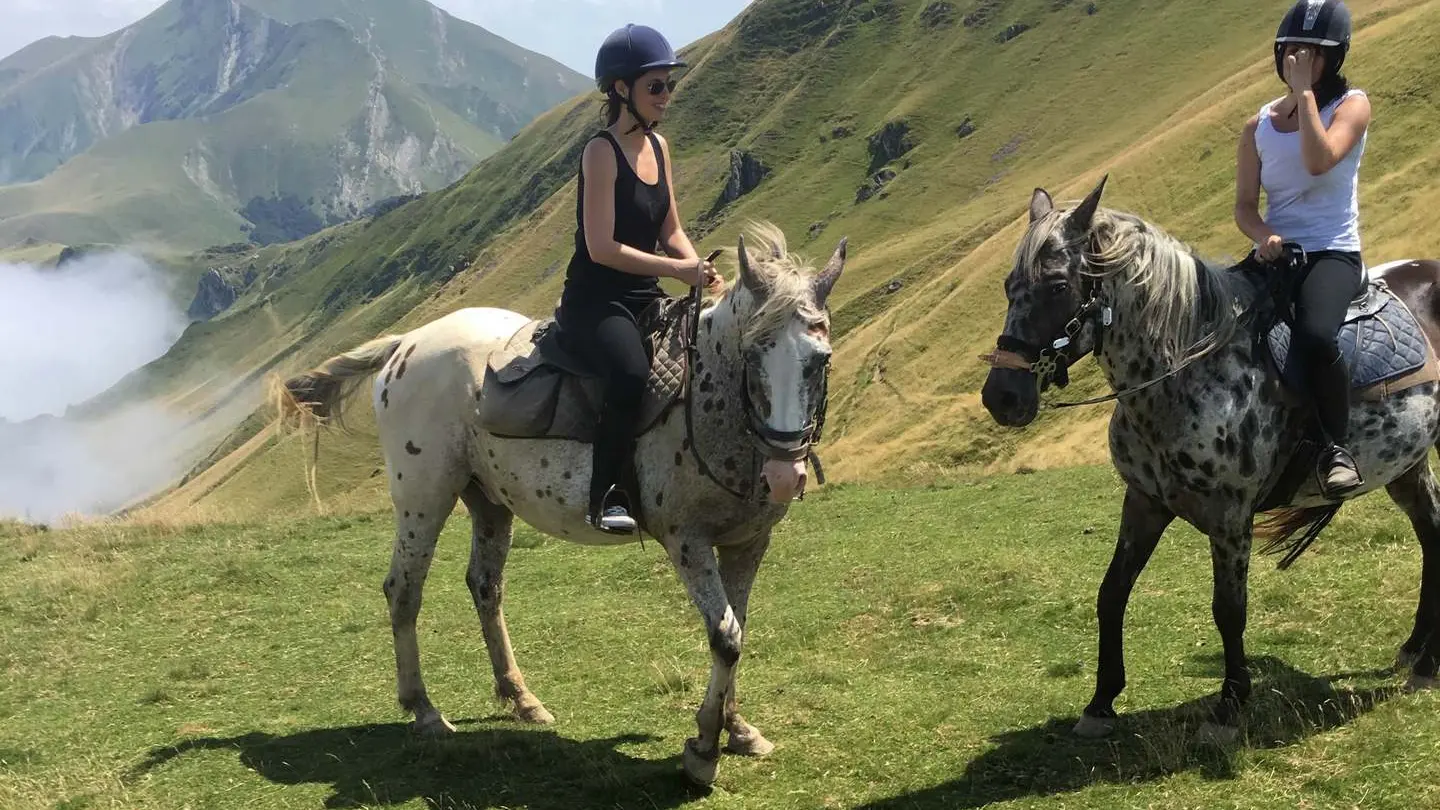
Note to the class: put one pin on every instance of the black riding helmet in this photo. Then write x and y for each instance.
(627, 54)
(1318, 22)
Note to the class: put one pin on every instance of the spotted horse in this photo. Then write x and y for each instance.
(714, 473)
(1205, 427)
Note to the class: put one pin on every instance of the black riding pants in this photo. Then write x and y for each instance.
(609, 339)
(1329, 282)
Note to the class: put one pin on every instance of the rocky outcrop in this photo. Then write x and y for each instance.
(746, 173)
(214, 295)
(889, 144)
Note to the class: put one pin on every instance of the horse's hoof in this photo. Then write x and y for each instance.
(432, 725)
(536, 715)
(699, 768)
(749, 744)
(1422, 683)
(1093, 728)
(1216, 734)
(1406, 660)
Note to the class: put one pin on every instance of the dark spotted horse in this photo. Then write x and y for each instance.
(474, 407)
(1206, 426)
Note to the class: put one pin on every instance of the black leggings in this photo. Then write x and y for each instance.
(1329, 283)
(610, 341)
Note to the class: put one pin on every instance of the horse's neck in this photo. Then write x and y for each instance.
(1131, 354)
(716, 382)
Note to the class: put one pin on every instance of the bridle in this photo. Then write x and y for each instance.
(1052, 363)
(778, 445)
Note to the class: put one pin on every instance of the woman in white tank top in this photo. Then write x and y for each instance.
(1304, 150)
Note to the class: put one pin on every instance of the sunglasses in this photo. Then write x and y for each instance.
(658, 86)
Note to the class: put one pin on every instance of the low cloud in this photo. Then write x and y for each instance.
(69, 334)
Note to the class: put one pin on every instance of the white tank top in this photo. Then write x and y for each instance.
(1321, 213)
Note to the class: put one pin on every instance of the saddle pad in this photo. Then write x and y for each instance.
(1380, 342)
(523, 396)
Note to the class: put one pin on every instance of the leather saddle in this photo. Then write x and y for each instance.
(1383, 344)
(537, 388)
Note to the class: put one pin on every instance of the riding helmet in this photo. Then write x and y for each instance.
(631, 51)
(1325, 23)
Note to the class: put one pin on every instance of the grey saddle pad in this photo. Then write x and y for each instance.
(527, 396)
(1381, 341)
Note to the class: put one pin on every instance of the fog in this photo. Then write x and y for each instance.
(66, 335)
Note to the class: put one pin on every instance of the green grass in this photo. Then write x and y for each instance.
(922, 648)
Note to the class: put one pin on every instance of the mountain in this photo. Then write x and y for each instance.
(211, 120)
(917, 128)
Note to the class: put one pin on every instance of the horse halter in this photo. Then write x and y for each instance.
(778, 445)
(1052, 363)
(786, 445)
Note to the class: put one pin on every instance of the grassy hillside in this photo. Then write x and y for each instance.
(244, 664)
(803, 88)
(208, 121)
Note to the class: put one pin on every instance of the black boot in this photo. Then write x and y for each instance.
(1335, 469)
(609, 506)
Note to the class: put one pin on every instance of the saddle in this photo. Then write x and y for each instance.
(535, 388)
(1383, 344)
(1385, 348)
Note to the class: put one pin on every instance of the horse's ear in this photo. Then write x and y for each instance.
(747, 275)
(1084, 214)
(1040, 204)
(826, 280)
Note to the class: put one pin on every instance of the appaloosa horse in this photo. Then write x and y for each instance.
(1202, 429)
(758, 384)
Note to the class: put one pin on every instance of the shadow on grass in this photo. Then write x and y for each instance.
(1287, 706)
(386, 764)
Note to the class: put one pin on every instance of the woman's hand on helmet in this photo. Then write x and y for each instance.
(1300, 69)
(1273, 248)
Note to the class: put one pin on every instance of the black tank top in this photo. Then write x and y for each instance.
(640, 212)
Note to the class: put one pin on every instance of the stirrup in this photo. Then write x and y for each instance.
(613, 519)
(1329, 458)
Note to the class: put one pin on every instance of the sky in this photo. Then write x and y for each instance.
(566, 30)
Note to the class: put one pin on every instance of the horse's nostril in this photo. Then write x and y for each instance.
(1009, 399)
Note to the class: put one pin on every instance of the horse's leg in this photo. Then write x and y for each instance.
(1418, 495)
(695, 562)
(420, 514)
(738, 565)
(1230, 567)
(1142, 521)
(490, 534)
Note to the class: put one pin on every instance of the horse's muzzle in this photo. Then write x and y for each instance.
(1011, 396)
(785, 479)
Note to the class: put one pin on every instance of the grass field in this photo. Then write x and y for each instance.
(918, 648)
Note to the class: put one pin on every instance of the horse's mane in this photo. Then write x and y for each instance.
(1187, 305)
(787, 279)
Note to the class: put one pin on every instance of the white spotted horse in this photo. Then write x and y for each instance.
(1206, 427)
(479, 406)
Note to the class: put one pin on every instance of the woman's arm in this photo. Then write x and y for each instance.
(599, 167)
(672, 234)
(1322, 148)
(1247, 194)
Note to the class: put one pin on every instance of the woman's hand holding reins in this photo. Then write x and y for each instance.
(1272, 248)
(698, 273)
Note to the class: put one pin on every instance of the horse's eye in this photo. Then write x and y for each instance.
(1057, 288)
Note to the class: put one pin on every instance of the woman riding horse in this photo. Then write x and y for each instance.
(626, 208)
(1304, 150)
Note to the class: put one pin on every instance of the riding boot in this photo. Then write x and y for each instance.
(1335, 468)
(609, 505)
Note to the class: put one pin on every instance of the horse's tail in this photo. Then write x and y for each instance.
(318, 396)
(1281, 527)
(311, 400)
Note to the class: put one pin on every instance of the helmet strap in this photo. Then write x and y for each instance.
(640, 122)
